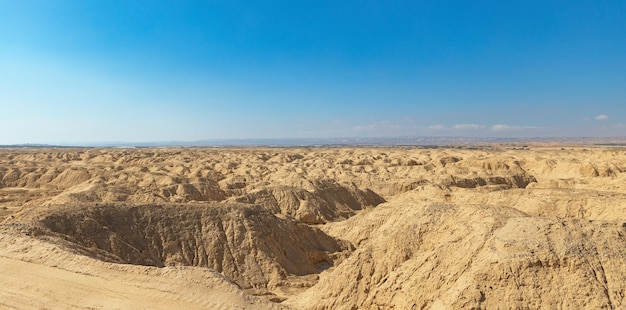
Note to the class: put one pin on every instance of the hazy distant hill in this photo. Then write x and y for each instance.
(334, 142)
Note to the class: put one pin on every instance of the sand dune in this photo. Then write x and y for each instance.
(309, 228)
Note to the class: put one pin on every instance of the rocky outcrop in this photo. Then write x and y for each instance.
(473, 257)
(328, 202)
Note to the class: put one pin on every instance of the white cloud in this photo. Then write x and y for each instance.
(437, 127)
(602, 117)
(468, 126)
(504, 127)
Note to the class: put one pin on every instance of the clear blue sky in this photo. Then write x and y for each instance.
(89, 71)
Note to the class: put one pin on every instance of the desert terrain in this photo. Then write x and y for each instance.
(496, 227)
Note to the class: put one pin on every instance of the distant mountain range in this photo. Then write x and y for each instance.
(336, 142)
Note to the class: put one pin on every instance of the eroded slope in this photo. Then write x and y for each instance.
(338, 228)
(257, 250)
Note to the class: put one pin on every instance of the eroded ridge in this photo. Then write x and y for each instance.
(246, 243)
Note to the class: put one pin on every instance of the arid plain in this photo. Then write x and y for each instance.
(313, 228)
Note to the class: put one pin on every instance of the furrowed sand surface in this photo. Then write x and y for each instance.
(313, 228)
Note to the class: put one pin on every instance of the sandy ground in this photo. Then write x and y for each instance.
(313, 228)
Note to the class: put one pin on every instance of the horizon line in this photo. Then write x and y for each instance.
(347, 141)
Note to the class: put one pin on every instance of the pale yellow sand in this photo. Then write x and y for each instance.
(345, 228)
